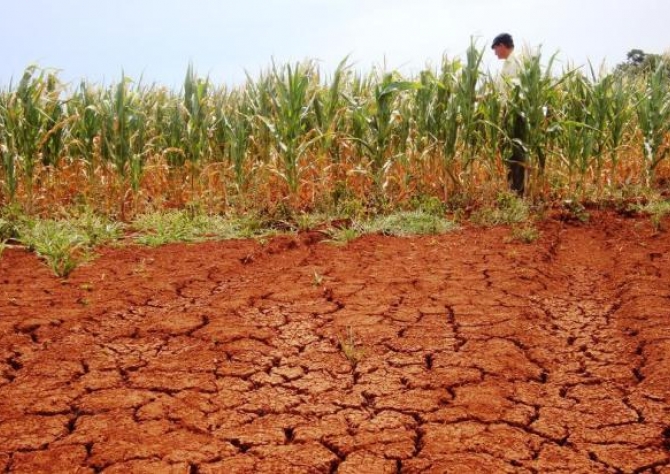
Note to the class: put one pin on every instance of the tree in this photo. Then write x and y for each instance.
(640, 63)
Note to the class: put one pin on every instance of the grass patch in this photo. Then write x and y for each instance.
(400, 224)
(409, 223)
(307, 221)
(95, 229)
(344, 235)
(525, 234)
(160, 228)
(508, 209)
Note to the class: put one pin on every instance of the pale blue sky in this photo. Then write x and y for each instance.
(156, 39)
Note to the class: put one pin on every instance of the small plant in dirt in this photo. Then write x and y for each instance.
(657, 211)
(657, 222)
(317, 279)
(573, 210)
(3, 246)
(526, 234)
(62, 244)
(409, 223)
(508, 209)
(344, 235)
(57, 242)
(351, 350)
(140, 268)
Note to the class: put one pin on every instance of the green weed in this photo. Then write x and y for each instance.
(57, 242)
(96, 230)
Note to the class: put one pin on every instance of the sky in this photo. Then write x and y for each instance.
(155, 40)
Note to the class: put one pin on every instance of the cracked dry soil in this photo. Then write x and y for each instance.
(469, 354)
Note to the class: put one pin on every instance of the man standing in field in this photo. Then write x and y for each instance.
(503, 47)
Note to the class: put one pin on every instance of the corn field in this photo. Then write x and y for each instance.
(298, 138)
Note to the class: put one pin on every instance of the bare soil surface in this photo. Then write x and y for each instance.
(450, 354)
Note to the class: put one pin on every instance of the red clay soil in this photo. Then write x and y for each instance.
(470, 354)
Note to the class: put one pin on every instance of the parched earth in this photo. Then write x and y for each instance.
(461, 353)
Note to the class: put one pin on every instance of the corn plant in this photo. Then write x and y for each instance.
(358, 96)
(490, 116)
(258, 94)
(170, 129)
(237, 126)
(466, 102)
(329, 107)
(653, 113)
(578, 137)
(385, 115)
(378, 121)
(619, 119)
(600, 114)
(24, 127)
(425, 112)
(448, 111)
(122, 130)
(196, 109)
(375, 139)
(534, 96)
(84, 131)
(7, 155)
(292, 101)
(54, 121)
